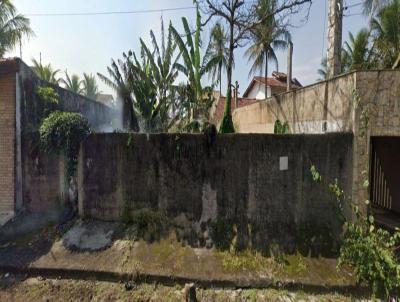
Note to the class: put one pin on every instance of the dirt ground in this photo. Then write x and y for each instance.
(15, 288)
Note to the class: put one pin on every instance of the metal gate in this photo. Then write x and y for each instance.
(385, 173)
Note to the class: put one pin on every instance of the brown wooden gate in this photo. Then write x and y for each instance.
(385, 173)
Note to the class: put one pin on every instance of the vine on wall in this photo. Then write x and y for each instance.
(63, 132)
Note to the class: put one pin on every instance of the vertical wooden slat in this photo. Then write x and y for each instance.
(381, 192)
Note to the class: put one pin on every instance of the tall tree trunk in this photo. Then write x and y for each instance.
(229, 70)
(130, 120)
(266, 74)
(220, 78)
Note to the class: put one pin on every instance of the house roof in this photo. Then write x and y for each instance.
(278, 79)
(220, 107)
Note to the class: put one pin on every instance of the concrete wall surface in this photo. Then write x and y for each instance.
(260, 185)
(43, 182)
(322, 107)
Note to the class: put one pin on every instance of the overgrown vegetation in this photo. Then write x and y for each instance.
(147, 224)
(369, 250)
(63, 132)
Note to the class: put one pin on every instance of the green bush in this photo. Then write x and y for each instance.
(227, 125)
(63, 132)
(47, 95)
(50, 99)
(368, 250)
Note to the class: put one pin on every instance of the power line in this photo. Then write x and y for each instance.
(352, 5)
(147, 11)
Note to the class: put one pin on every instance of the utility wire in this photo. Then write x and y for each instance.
(352, 5)
(147, 11)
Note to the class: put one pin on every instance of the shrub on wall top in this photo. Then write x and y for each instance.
(63, 132)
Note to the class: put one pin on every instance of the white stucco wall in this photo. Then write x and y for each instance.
(258, 92)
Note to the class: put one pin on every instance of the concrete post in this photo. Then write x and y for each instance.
(289, 66)
(335, 16)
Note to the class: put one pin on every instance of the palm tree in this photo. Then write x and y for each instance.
(46, 72)
(162, 65)
(217, 48)
(72, 83)
(371, 6)
(90, 88)
(386, 32)
(356, 50)
(323, 71)
(194, 67)
(147, 85)
(267, 38)
(13, 27)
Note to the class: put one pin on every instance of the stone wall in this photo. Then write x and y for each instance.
(236, 183)
(7, 141)
(377, 114)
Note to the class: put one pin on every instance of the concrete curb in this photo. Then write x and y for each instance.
(167, 280)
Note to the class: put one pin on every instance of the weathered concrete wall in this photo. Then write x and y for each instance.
(43, 183)
(366, 103)
(7, 141)
(29, 179)
(319, 108)
(234, 180)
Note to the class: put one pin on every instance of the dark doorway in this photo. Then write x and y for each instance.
(385, 173)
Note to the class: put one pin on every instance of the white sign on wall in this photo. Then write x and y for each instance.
(283, 163)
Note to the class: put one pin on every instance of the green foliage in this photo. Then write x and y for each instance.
(227, 122)
(223, 233)
(369, 250)
(49, 97)
(268, 37)
(90, 88)
(13, 27)
(280, 128)
(227, 125)
(150, 225)
(46, 72)
(72, 83)
(194, 67)
(63, 132)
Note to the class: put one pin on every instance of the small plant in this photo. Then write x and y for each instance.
(63, 132)
(369, 250)
(129, 143)
(280, 128)
(152, 223)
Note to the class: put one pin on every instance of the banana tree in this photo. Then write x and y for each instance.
(194, 67)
